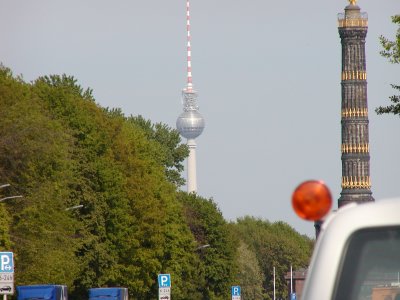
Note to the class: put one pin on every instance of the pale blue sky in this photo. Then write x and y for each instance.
(267, 72)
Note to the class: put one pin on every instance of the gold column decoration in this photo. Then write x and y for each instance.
(352, 182)
(355, 148)
(354, 75)
(353, 2)
(354, 112)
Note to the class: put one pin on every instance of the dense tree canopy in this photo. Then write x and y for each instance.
(250, 276)
(274, 245)
(391, 50)
(217, 265)
(59, 149)
(171, 153)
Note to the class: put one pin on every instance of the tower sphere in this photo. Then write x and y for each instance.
(190, 124)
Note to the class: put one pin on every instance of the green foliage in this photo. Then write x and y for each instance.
(5, 240)
(131, 220)
(275, 245)
(45, 242)
(393, 108)
(391, 50)
(169, 151)
(250, 276)
(34, 156)
(217, 265)
(60, 149)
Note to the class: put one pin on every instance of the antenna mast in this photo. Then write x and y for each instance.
(189, 50)
(189, 94)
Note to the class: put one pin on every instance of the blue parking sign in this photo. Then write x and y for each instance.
(164, 280)
(6, 262)
(236, 290)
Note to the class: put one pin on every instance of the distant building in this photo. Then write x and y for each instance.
(298, 278)
(386, 293)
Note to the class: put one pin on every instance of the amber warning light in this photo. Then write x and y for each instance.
(312, 200)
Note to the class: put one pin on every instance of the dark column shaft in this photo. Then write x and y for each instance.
(356, 181)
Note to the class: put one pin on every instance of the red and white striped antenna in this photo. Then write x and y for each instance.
(190, 123)
(189, 50)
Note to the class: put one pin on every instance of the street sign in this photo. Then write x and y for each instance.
(6, 262)
(236, 291)
(293, 296)
(164, 280)
(164, 287)
(6, 273)
(164, 293)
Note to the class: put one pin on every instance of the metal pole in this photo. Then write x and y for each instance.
(274, 283)
(291, 280)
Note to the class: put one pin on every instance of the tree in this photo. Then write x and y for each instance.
(170, 151)
(5, 240)
(59, 149)
(275, 245)
(250, 277)
(217, 263)
(133, 226)
(391, 50)
(35, 157)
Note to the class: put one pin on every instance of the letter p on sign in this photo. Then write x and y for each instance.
(164, 280)
(236, 292)
(6, 262)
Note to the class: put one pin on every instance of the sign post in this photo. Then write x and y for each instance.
(236, 292)
(6, 273)
(164, 287)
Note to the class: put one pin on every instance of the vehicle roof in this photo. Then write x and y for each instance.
(40, 291)
(334, 235)
(110, 291)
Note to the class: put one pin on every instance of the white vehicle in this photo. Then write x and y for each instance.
(357, 254)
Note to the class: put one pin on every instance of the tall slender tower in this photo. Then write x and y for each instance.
(190, 123)
(356, 182)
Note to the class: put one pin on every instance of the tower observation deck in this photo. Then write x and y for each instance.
(190, 123)
(356, 181)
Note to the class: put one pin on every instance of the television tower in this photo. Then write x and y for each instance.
(356, 181)
(190, 123)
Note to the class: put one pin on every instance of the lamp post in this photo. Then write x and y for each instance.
(203, 246)
(10, 197)
(74, 207)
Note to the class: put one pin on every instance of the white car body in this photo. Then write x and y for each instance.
(345, 264)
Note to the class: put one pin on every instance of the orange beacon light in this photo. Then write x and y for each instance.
(312, 200)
